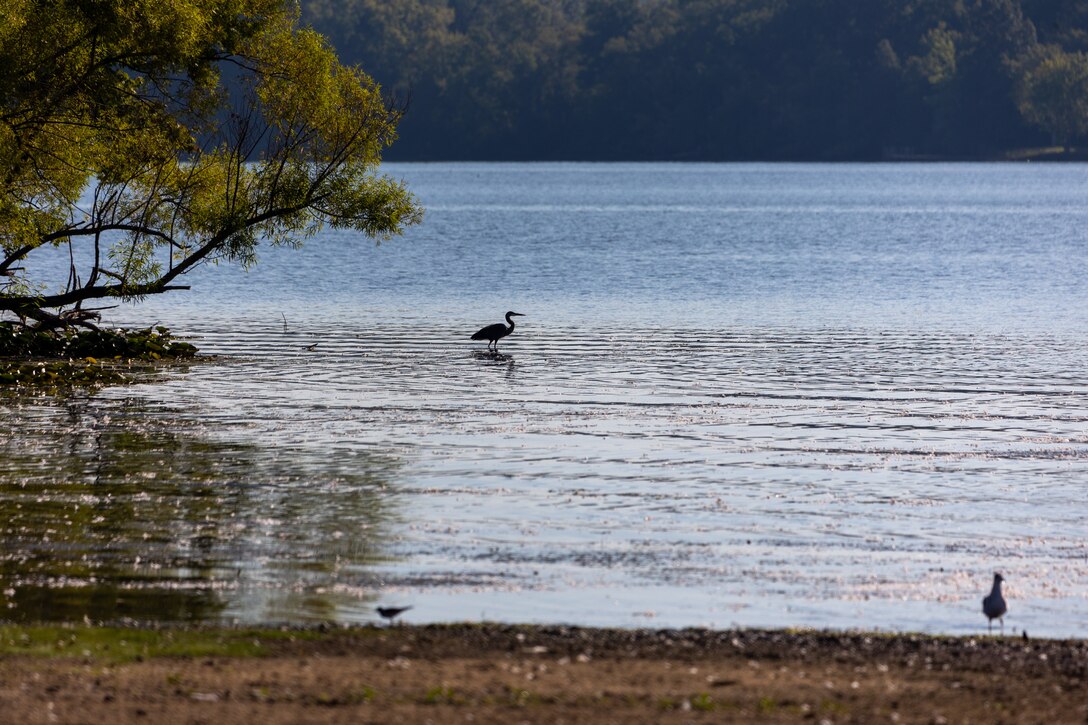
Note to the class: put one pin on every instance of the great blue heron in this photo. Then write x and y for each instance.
(494, 333)
(993, 606)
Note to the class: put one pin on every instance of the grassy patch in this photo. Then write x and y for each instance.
(52, 375)
(1028, 154)
(701, 702)
(359, 696)
(443, 695)
(122, 645)
(152, 343)
(519, 697)
(833, 707)
(56, 359)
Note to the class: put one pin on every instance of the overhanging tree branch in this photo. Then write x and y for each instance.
(126, 107)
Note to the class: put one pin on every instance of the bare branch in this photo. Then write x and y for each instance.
(102, 228)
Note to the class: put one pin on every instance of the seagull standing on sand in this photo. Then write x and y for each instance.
(993, 606)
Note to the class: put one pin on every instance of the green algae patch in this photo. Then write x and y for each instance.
(121, 644)
(57, 374)
(52, 360)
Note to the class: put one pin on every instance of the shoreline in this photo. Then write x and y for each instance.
(521, 673)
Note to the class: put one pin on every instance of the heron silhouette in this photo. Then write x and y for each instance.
(494, 333)
(993, 606)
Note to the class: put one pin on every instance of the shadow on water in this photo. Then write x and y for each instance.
(114, 509)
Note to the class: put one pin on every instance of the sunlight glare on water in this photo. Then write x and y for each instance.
(767, 395)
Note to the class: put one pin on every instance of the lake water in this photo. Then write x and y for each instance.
(763, 395)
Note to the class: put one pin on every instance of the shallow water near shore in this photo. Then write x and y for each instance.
(759, 395)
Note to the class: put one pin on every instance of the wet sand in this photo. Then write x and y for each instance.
(498, 673)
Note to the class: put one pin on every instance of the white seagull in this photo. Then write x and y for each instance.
(993, 606)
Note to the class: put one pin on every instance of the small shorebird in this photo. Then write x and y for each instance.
(392, 613)
(993, 606)
(494, 333)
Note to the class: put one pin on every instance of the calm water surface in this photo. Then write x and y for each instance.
(773, 395)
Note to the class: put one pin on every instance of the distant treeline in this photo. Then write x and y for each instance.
(721, 79)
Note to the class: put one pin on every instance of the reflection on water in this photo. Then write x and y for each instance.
(768, 395)
(837, 477)
(113, 509)
(494, 357)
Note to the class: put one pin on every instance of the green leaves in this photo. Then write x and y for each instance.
(1053, 93)
(127, 98)
(937, 65)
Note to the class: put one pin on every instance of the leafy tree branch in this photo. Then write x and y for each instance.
(199, 129)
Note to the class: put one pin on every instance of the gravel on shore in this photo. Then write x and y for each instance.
(537, 674)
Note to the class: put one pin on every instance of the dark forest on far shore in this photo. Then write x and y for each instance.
(721, 79)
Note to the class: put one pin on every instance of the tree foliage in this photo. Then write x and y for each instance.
(119, 135)
(707, 79)
(1054, 93)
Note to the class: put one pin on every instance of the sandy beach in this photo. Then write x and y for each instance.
(500, 673)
